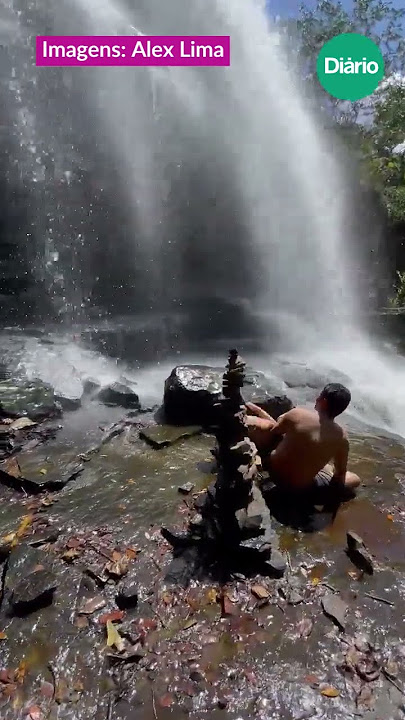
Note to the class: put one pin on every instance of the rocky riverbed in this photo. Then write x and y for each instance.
(93, 626)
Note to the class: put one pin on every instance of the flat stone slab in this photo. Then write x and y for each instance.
(160, 436)
(36, 482)
(33, 592)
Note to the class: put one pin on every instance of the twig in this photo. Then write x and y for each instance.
(100, 552)
(289, 561)
(330, 587)
(109, 707)
(392, 681)
(379, 599)
(54, 679)
(154, 704)
(159, 617)
(156, 564)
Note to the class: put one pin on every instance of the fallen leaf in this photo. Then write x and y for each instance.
(131, 553)
(70, 555)
(12, 467)
(114, 638)
(250, 677)
(47, 690)
(390, 517)
(330, 692)
(9, 689)
(131, 481)
(391, 668)
(365, 699)
(47, 502)
(43, 471)
(227, 607)
(305, 627)
(260, 592)
(315, 581)
(117, 569)
(311, 680)
(92, 605)
(355, 574)
(21, 672)
(74, 543)
(116, 556)
(114, 616)
(166, 701)
(3, 636)
(81, 622)
(24, 525)
(212, 596)
(9, 538)
(6, 676)
(167, 598)
(189, 624)
(34, 713)
(368, 669)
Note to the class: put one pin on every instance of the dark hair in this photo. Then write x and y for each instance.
(337, 397)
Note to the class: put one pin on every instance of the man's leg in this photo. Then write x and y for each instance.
(352, 480)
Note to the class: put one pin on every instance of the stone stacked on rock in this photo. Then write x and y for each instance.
(230, 513)
(192, 391)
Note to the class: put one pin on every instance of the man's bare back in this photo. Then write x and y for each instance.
(301, 443)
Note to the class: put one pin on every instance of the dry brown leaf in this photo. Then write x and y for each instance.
(47, 502)
(116, 556)
(3, 636)
(390, 517)
(8, 538)
(92, 605)
(70, 555)
(24, 525)
(305, 627)
(81, 622)
(12, 467)
(212, 596)
(260, 592)
(21, 672)
(330, 692)
(114, 616)
(34, 713)
(131, 553)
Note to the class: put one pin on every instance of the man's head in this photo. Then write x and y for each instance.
(333, 400)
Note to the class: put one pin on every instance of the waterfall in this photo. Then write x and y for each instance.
(193, 187)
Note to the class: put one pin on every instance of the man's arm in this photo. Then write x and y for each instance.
(340, 461)
(258, 411)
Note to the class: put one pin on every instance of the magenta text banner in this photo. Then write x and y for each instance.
(125, 51)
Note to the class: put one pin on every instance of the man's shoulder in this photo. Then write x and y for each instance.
(299, 413)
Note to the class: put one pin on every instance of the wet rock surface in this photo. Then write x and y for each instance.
(119, 394)
(160, 436)
(246, 646)
(191, 392)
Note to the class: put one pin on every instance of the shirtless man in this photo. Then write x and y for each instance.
(310, 439)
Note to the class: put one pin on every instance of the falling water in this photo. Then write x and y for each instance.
(198, 183)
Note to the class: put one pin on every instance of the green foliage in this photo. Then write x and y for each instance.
(379, 20)
(399, 298)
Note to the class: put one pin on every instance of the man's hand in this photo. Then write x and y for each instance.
(258, 411)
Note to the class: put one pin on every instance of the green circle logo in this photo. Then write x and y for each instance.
(350, 66)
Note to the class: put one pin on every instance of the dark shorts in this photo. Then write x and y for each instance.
(300, 507)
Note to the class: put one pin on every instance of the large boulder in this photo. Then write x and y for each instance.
(191, 392)
(118, 394)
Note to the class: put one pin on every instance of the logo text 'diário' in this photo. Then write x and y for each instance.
(350, 66)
